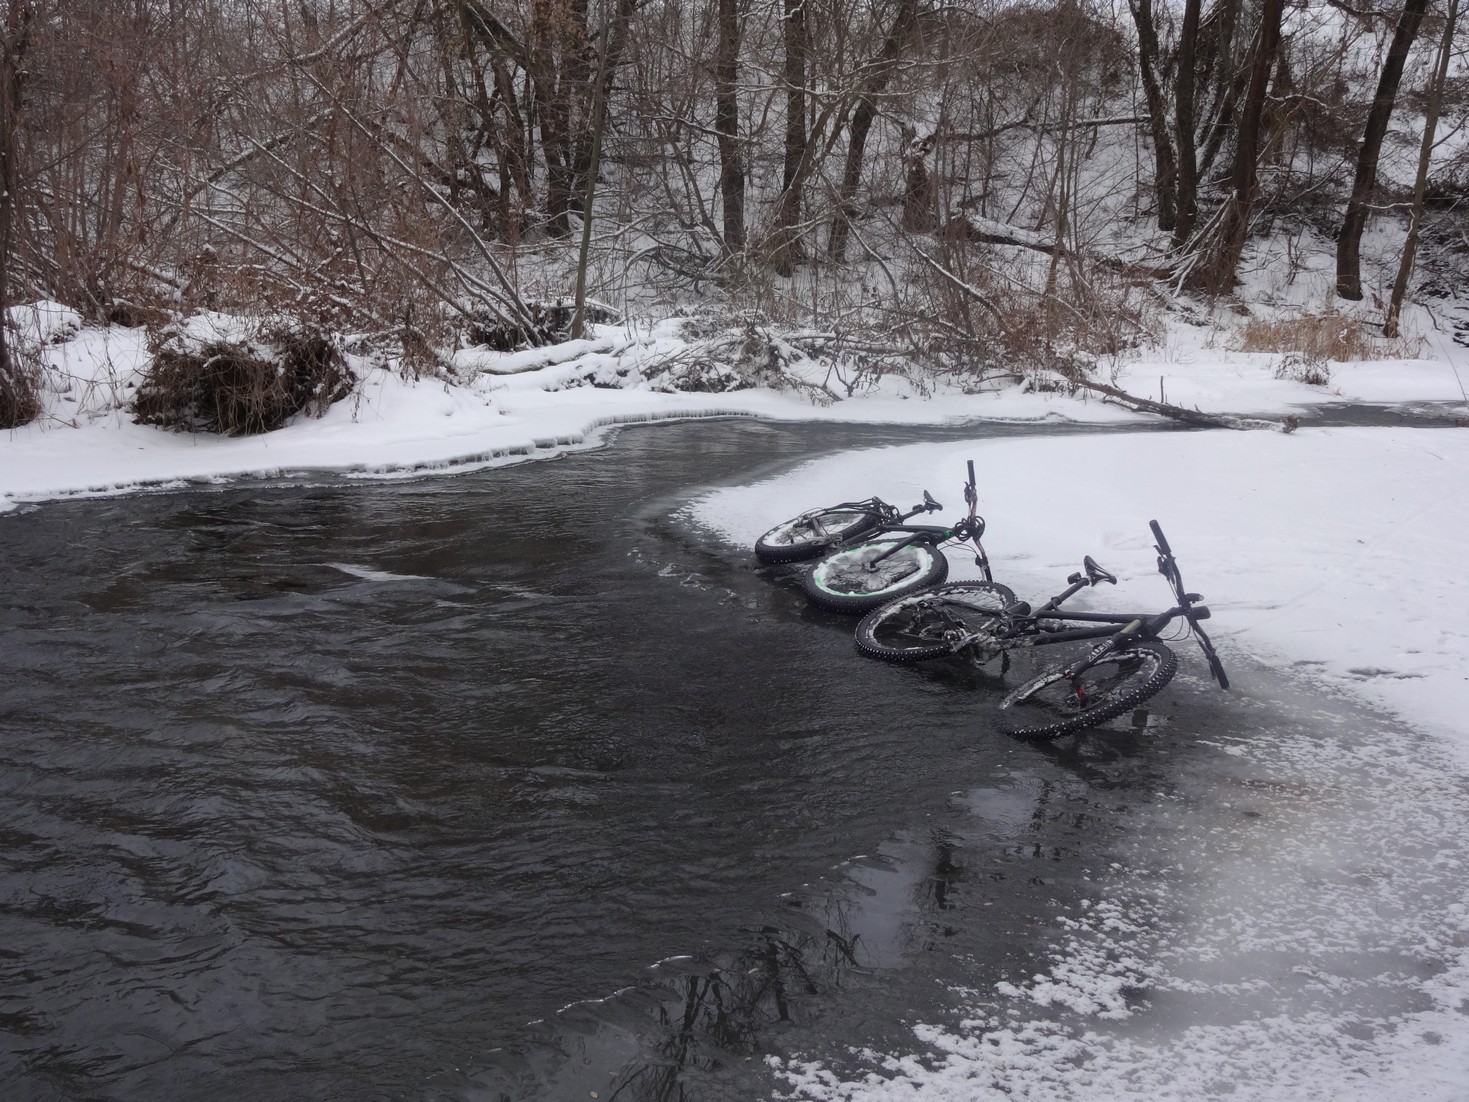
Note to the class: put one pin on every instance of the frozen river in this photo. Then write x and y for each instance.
(343, 791)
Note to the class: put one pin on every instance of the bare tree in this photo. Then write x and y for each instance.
(17, 404)
(785, 249)
(1425, 155)
(878, 72)
(1165, 161)
(1369, 150)
(1185, 123)
(1226, 244)
(727, 125)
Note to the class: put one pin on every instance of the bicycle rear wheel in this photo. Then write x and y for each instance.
(858, 579)
(1050, 705)
(925, 625)
(812, 533)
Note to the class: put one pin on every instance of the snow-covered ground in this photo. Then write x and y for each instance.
(1332, 552)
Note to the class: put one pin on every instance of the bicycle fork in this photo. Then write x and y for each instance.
(1095, 655)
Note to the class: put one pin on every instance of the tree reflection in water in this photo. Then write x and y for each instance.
(705, 1036)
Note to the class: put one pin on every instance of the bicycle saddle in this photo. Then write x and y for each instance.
(1095, 573)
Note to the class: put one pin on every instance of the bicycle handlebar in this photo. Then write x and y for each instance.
(1168, 567)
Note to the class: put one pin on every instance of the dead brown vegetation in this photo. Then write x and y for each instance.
(983, 319)
(20, 388)
(547, 323)
(237, 388)
(1322, 338)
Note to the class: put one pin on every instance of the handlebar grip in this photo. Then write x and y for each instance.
(1163, 547)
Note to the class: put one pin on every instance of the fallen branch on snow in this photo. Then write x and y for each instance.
(1289, 423)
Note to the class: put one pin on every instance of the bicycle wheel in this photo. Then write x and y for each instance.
(812, 533)
(857, 579)
(1049, 706)
(924, 625)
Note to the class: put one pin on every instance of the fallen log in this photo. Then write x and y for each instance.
(1289, 423)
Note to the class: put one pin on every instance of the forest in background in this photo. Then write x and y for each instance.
(961, 190)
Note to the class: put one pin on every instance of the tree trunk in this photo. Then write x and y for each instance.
(1349, 241)
(727, 126)
(882, 68)
(1227, 79)
(1217, 274)
(1165, 171)
(919, 215)
(12, 69)
(1185, 122)
(786, 248)
(558, 70)
(1420, 184)
(612, 41)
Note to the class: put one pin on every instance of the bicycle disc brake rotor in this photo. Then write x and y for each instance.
(1092, 685)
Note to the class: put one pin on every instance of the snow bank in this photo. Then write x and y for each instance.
(1336, 551)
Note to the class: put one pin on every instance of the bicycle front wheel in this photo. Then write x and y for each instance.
(858, 579)
(926, 625)
(1052, 705)
(811, 534)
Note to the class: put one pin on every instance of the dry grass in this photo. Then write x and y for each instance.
(1319, 338)
(238, 389)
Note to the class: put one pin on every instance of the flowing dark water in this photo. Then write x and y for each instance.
(346, 791)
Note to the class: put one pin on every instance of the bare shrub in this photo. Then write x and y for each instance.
(1301, 368)
(20, 384)
(982, 315)
(237, 388)
(726, 352)
(1319, 338)
(549, 323)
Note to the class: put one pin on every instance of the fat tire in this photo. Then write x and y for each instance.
(823, 580)
(783, 545)
(924, 618)
(1158, 665)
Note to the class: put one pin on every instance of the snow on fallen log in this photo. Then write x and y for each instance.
(1289, 423)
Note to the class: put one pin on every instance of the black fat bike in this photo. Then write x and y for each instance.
(893, 558)
(818, 532)
(983, 620)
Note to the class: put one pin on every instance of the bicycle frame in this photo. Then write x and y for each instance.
(970, 527)
(1023, 627)
(1030, 632)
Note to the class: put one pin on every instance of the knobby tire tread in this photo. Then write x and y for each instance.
(867, 633)
(1115, 702)
(777, 554)
(856, 604)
